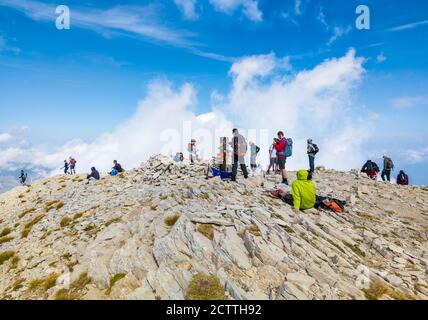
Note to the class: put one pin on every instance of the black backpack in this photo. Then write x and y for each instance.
(316, 149)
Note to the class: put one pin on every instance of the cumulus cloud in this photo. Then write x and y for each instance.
(250, 8)
(310, 104)
(264, 97)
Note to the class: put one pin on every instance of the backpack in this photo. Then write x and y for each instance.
(375, 167)
(113, 172)
(288, 151)
(332, 204)
(316, 149)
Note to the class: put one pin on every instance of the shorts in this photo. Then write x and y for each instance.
(281, 163)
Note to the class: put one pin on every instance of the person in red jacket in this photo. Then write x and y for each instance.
(280, 157)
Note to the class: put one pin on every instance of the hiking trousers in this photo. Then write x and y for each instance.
(241, 161)
(386, 173)
(311, 163)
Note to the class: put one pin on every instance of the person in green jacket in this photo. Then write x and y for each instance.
(303, 191)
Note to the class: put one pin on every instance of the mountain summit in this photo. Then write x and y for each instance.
(164, 231)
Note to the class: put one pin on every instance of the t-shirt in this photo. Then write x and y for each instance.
(273, 151)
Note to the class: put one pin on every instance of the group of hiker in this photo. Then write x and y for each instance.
(69, 166)
(95, 175)
(303, 192)
(372, 169)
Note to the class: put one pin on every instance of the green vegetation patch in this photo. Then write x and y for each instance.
(113, 281)
(205, 287)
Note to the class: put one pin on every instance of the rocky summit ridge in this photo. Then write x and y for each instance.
(163, 231)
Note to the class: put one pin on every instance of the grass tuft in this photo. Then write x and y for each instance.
(111, 221)
(378, 289)
(6, 255)
(207, 230)
(75, 291)
(113, 281)
(5, 232)
(254, 230)
(5, 239)
(27, 228)
(171, 220)
(355, 248)
(25, 212)
(65, 221)
(205, 287)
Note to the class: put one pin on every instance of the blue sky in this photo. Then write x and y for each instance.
(79, 83)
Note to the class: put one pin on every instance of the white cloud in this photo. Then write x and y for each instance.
(338, 32)
(409, 26)
(188, 8)
(416, 155)
(310, 104)
(381, 58)
(142, 22)
(250, 8)
(5, 137)
(410, 102)
(264, 98)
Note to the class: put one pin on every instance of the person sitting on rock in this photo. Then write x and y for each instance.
(95, 175)
(402, 179)
(117, 166)
(303, 191)
(179, 157)
(371, 169)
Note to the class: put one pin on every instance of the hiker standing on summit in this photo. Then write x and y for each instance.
(388, 166)
(72, 165)
(23, 177)
(272, 157)
(280, 155)
(191, 148)
(254, 149)
(312, 150)
(239, 145)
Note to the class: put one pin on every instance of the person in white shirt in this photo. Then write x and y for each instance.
(272, 157)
